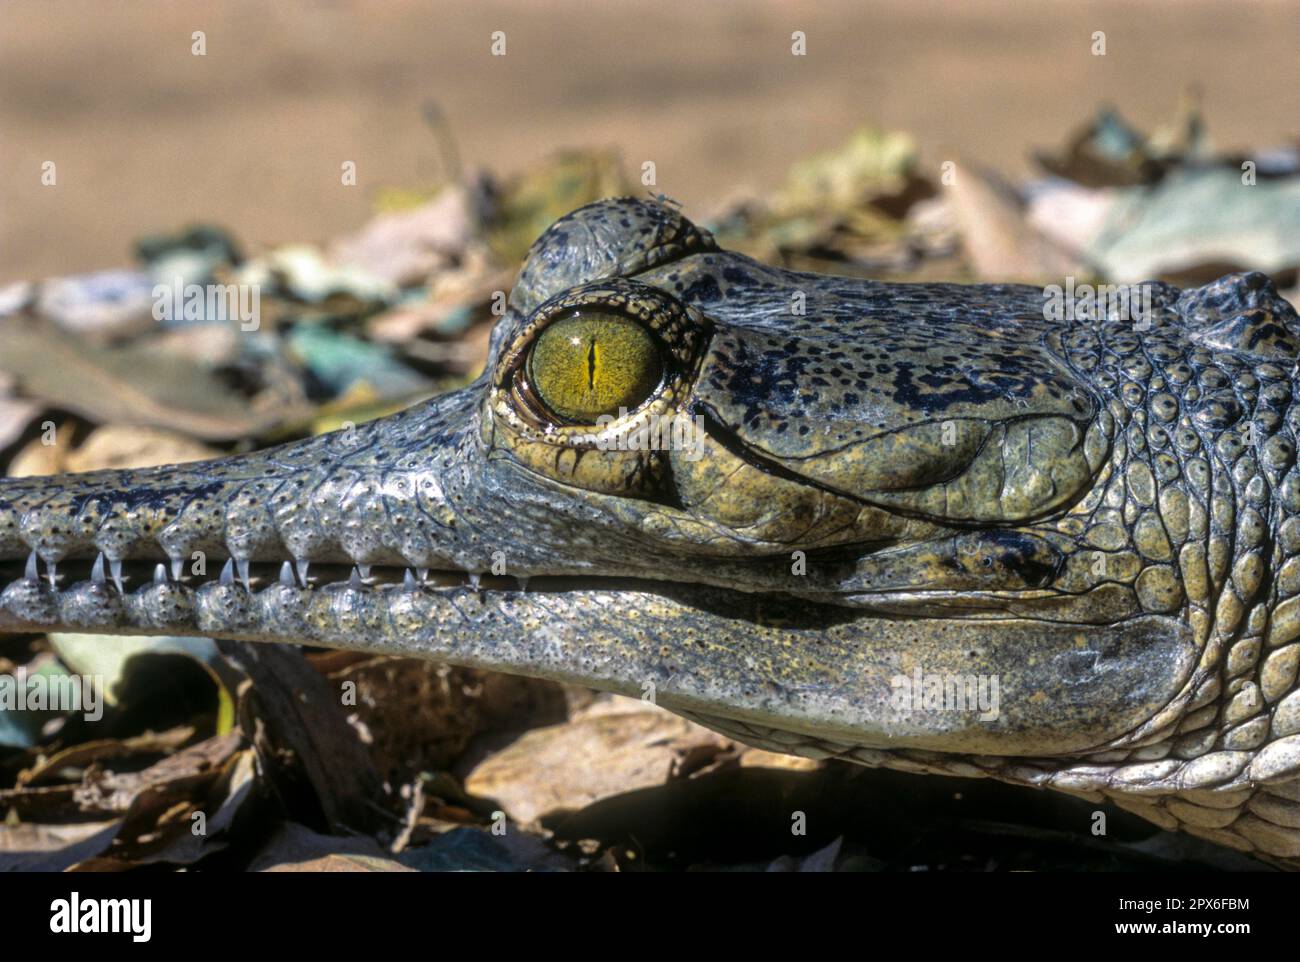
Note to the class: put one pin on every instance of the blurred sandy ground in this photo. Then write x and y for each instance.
(147, 137)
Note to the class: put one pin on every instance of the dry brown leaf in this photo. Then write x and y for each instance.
(296, 848)
(116, 446)
(37, 459)
(567, 767)
(52, 848)
(16, 414)
(472, 284)
(106, 385)
(996, 233)
(102, 750)
(159, 827)
(405, 247)
(119, 446)
(109, 792)
(50, 803)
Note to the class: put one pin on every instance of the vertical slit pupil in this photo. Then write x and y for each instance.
(591, 365)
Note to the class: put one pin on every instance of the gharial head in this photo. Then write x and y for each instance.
(806, 510)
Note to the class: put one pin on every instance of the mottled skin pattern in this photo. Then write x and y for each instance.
(894, 478)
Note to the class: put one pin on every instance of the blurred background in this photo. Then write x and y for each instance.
(348, 186)
(147, 136)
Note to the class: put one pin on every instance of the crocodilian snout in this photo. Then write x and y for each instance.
(328, 541)
(144, 549)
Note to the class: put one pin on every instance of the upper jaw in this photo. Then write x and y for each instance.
(418, 492)
(366, 496)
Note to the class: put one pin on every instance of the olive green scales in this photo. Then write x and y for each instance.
(889, 481)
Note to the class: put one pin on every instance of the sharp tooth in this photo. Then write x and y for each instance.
(365, 571)
(286, 575)
(50, 572)
(31, 574)
(474, 578)
(422, 574)
(301, 565)
(228, 572)
(97, 572)
(408, 580)
(242, 566)
(159, 574)
(115, 572)
(354, 580)
(177, 565)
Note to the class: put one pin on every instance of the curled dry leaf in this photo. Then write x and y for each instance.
(566, 767)
(103, 751)
(999, 240)
(180, 775)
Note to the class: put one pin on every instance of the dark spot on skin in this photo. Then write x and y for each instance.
(704, 289)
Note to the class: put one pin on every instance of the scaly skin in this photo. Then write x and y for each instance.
(893, 479)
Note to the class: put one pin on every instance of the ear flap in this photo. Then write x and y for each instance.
(610, 238)
(1244, 314)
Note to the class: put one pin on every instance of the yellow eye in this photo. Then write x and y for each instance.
(593, 364)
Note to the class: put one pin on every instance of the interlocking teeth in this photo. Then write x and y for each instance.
(239, 571)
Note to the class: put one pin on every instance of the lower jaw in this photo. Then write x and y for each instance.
(367, 607)
(259, 601)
